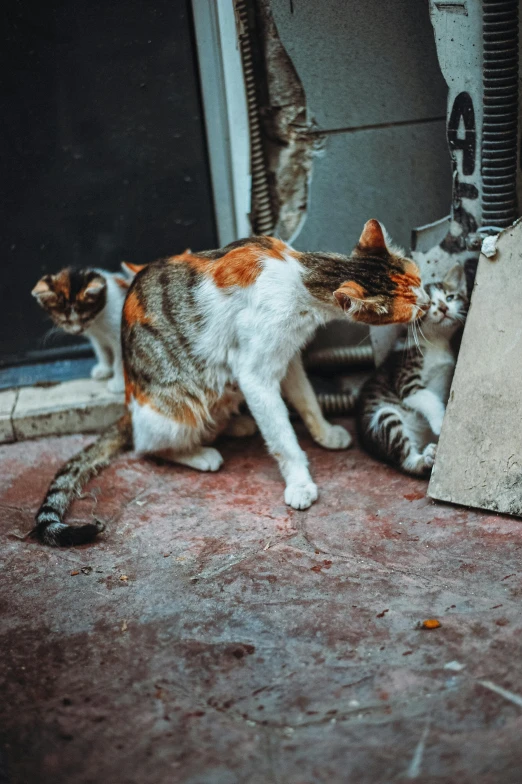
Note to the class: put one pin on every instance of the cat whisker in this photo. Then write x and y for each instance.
(51, 334)
(417, 329)
(423, 335)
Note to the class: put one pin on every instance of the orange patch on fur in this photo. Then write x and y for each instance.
(62, 283)
(239, 267)
(404, 297)
(280, 248)
(184, 413)
(133, 310)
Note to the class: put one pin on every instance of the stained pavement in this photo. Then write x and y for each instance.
(212, 635)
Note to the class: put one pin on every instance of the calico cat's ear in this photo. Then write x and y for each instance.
(455, 279)
(94, 288)
(372, 237)
(348, 292)
(43, 291)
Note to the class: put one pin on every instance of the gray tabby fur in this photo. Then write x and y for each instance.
(401, 407)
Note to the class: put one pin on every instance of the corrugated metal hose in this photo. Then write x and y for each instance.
(262, 213)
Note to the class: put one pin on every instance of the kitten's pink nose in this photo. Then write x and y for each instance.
(443, 308)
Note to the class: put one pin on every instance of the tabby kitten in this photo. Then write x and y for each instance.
(89, 302)
(201, 332)
(401, 407)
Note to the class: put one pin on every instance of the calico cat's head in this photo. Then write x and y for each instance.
(448, 304)
(72, 298)
(386, 286)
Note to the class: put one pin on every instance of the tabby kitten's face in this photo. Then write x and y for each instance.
(72, 298)
(448, 303)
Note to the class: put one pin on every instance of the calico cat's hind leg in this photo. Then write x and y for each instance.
(203, 458)
(161, 436)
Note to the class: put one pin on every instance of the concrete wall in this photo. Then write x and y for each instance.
(373, 84)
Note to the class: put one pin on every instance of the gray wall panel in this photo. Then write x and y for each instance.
(399, 175)
(363, 63)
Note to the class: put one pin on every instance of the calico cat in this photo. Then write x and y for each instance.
(401, 407)
(89, 302)
(201, 332)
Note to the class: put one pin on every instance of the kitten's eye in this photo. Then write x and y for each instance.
(450, 297)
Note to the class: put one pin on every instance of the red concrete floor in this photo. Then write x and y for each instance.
(214, 636)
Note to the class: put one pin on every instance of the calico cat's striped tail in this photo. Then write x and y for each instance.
(68, 482)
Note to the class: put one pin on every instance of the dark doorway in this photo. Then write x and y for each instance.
(103, 148)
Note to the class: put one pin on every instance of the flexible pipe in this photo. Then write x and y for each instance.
(262, 217)
(339, 357)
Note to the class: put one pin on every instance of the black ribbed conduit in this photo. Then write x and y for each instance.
(499, 132)
(262, 214)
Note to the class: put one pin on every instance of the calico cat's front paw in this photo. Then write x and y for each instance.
(116, 385)
(301, 496)
(101, 371)
(335, 437)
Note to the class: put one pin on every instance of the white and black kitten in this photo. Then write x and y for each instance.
(401, 407)
(89, 302)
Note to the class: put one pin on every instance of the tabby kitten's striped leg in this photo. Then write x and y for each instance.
(395, 439)
(300, 393)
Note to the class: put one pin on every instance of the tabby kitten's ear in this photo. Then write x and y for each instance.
(455, 280)
(43, 292)
(372, 237)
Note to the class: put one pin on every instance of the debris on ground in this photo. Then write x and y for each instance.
(431, 623)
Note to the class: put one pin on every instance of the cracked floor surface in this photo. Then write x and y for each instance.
(214, 636)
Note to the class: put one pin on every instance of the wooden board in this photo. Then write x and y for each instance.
(479, 457)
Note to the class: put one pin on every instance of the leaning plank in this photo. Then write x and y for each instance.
(479, 457)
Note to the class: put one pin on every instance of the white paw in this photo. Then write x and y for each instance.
(208, 459)
(100, 371)
(429, 455)
(301, 496)
(336, 437)
(116, 385)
